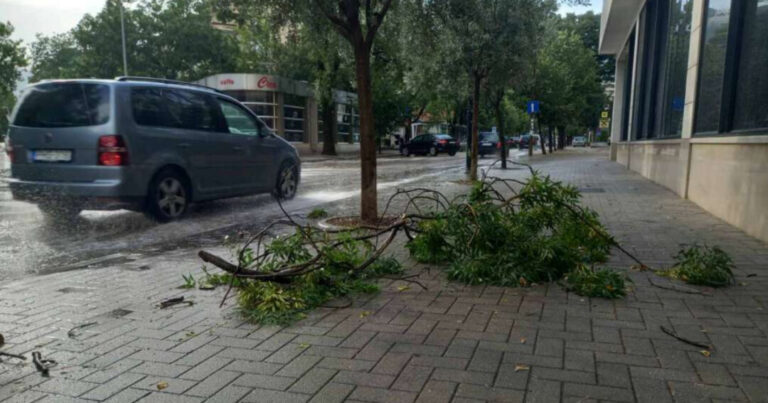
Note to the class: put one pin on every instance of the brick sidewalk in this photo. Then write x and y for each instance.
(450, 343)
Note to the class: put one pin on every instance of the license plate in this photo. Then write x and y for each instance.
(487, 144)
(52, 155)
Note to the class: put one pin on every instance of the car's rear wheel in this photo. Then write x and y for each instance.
(407, 152)
(168, 197)
(451, 153)
(432, 151)
(287, 181)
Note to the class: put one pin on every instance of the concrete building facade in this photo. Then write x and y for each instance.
(289, 108)
(690, 108)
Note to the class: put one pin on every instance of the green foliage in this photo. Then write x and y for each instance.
(164, 38)
(602, 283)
(488, 242)
(317, 214)
(189, 281)
(709, 266)
(278, 303)
(12, 59)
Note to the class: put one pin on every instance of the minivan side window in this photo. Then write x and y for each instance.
(147, 104)
(238, 121)
(189, 110)
(159, 107)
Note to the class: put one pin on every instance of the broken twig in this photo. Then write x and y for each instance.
(684, 340)
(72, 332)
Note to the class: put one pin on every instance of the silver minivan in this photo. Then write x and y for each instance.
(143, 144)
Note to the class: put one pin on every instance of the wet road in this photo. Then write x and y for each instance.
(30, 245)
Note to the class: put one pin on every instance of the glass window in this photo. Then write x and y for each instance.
(66, 104)
(147, 106)
(189, 110)
(237, 94)
(712, 66)
(678, 42)
(628, 86)
(238, 120)
(260, 96)
(751, 106)
(262, 110)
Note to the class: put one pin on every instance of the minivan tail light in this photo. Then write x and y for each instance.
(112, 151)
(498, 145)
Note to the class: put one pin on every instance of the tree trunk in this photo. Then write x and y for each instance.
(474, 138)
(561, 137)
(329, 129)
(500, 126)
(407, 125)
(551, 139)
(368, 197)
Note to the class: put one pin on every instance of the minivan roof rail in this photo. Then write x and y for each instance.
(164, 81)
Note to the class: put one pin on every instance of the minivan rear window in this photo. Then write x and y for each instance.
(489, 136)
(67, 104)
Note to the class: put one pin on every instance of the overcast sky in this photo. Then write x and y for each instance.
(55, 16)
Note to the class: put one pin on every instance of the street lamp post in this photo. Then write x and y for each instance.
(122, 29)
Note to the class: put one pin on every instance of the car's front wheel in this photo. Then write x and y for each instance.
(169, 196)
(287, 181)
(407, 152)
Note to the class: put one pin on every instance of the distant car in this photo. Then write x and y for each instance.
(145, 144)
(488, 143)
(512, 141)
(525, 140)
(579, 141)
(431, 144)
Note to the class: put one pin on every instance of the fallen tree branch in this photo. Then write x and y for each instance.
(684, 340)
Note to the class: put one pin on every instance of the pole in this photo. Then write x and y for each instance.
(122, 29)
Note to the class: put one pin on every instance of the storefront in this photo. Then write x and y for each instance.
(690, 107)
(289, 107)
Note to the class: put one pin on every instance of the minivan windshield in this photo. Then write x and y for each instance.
(65, 104)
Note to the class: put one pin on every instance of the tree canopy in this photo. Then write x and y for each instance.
(164, 38)
(12, 59)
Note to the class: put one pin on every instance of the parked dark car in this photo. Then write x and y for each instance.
(143, 144)
(488, 143)
(526, 139)
(432, 144)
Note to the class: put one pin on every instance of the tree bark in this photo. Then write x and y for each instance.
(475, 114)
(368, 195)
(329, 129)
(500, 126)
(561, 137)
(551, 139)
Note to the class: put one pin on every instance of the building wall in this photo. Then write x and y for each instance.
(662, 162)
(731, 182)
(726, 175)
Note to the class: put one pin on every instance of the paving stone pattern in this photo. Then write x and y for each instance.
(447, 343)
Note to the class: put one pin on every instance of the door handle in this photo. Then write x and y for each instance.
(238, 148)
(183, 145)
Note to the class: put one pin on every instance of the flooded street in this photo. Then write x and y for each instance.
(31, 245)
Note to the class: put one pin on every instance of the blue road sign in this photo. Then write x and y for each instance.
(532, 107)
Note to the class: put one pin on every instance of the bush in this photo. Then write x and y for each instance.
(602, 283)
(278, 303)
(487, 240)
(702, 266)
(317, 214)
